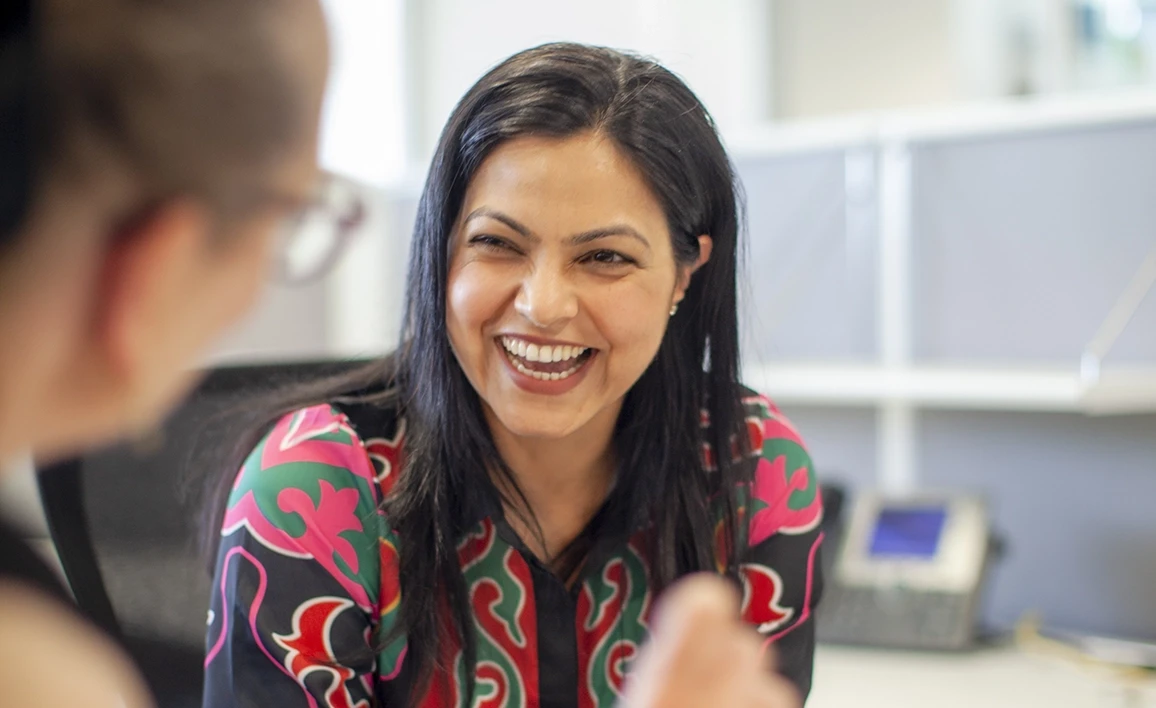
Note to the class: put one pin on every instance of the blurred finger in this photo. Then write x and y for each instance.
(775, 692)
(697, 600)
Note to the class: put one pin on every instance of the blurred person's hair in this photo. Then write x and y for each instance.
(167, 98)
(557, 91)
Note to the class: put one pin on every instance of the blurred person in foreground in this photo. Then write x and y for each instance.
(151, 151)
(486, 516)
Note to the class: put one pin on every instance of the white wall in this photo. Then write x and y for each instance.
(363, 125)
(1011, 47)
(834, 56)
(719, 47)
(839, 56)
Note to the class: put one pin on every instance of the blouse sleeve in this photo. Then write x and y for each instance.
(296, 594)
(781, 574)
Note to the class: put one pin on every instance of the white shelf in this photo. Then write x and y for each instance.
(1059, 389)
(944, 124)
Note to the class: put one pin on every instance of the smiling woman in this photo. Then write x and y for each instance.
(561, 435)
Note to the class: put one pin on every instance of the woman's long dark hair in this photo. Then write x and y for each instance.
(561, 90)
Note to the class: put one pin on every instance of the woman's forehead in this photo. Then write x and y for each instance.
(564, 182)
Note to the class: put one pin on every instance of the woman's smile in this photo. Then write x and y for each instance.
(544, 367)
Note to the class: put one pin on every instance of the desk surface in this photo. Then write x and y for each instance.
(990, 678)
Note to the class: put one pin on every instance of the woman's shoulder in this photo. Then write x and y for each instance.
(766, 422)
(321, 456)
(785, 491)
(311, 490)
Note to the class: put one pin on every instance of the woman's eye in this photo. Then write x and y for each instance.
(492, 243)
(608, 258)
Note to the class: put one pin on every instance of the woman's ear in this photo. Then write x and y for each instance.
(144, 297)
(705, 245)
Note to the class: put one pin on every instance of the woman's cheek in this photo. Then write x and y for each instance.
(476, 298)
(632, 322)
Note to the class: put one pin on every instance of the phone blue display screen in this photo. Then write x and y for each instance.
(911, 532)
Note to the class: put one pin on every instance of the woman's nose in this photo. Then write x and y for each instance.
(547, 298)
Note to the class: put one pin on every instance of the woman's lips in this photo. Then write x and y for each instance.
(548, 369)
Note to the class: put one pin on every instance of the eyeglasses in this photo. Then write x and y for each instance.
(313, 238)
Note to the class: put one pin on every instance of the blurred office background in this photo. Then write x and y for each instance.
(952, 209)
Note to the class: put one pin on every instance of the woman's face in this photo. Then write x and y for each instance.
(562, 277)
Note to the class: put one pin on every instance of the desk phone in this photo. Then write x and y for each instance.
(907, 572)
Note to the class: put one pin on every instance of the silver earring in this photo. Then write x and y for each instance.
(673, 309)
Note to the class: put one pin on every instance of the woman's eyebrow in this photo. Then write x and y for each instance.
(488, 213)
(575, 240)
(606, 232)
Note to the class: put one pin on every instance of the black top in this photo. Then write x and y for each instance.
(21, 563)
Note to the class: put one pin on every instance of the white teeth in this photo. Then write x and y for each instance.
(522, 352)
(543, 376)
(544, 353)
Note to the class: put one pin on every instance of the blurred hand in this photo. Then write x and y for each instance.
(700, 655)
(39, 638)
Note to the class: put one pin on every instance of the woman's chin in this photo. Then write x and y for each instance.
(539, 431)
(539, 425)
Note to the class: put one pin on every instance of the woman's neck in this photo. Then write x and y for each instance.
(564, 480)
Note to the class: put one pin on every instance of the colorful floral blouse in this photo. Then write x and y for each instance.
(307, 581)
